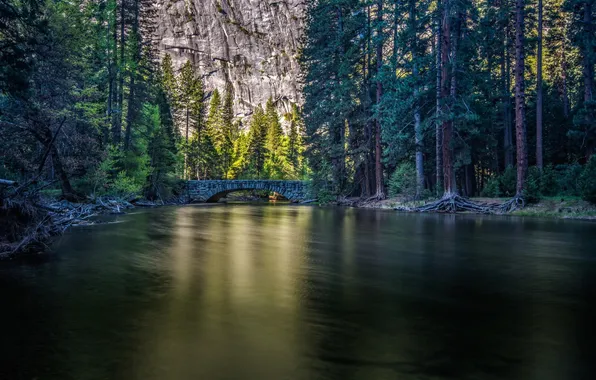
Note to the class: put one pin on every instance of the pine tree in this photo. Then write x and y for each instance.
(226, 146)
(240, 157)
(257, 144)
(274, 129)
(539, 92)
(196, 148)
(295, 140)
(338, 84)
(170, 83)
(187, 95)
(380, 186)
(520, 107)
(214, 127)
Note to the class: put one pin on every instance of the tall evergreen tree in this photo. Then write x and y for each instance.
(226, 133)
(520, 98)
(257, 142)
(295, 140)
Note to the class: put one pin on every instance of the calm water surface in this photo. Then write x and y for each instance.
(289, 292)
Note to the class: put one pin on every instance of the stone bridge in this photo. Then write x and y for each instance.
(214, 190)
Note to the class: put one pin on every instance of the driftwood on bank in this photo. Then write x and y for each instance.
(28, 222)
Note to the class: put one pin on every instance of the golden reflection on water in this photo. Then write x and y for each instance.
(227, 269)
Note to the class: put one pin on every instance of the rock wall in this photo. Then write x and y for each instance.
(251, 44)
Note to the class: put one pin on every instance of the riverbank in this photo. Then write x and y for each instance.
(549, 207)
(31, 218)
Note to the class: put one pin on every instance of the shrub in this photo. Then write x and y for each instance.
(403, 180)
(587, 181)
(325, 196)
(568, 179)
(549, 186)
(532, 188)
(97, 181)
(508, 182)
(491, 189)
(124, 185)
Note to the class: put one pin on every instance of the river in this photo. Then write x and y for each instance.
(294, 292)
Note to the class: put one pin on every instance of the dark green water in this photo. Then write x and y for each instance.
(285, 292)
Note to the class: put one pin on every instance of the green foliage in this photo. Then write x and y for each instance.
(492, 189)
(325, 196)
(97, 182)
(507, 182)
(124, 185)
(107, 180)
(216, 146)
(257, 148)
(568, 179)
(587, 181)
(274, 130)
(169, 82)
(549, 186)
(532, 189)
(240, 158)
(225, 134)
(113, 119)
(403, 181)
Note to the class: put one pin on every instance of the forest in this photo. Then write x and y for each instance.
(93, 115)
(427, 99)
(88, 106)
(491, 98)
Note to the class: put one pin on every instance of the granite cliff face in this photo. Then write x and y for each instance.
(251, 44)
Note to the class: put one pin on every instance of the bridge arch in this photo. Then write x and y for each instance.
(214, 190)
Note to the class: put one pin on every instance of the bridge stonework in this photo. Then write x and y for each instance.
(213, 190)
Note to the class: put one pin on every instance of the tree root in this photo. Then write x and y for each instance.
(452, 203)
(511, 205)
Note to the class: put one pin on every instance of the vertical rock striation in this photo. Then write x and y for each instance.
(251, 44)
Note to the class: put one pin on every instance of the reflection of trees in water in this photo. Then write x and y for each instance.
(424, 304)
(242, 304)
(267, 292)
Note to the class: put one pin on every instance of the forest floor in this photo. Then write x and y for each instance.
(548, 207)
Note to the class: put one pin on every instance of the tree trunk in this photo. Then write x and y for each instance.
(47, 138)
(369, 128)
(118, 81)
(588, 70)
(129, 116)
(67, 190)
(106, 137)
(132, 106)
(417, 126)
(505, 102)
(338, 157)
(520, 108)
(378, 149)
(539, 160)
(508, 142)
(448, 85)
(438, 124)
(564, 84)
(117, 129)
(588, 65)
